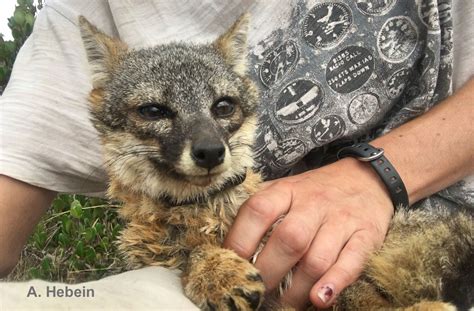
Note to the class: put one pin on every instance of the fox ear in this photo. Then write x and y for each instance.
(233, 44)
(103, 52)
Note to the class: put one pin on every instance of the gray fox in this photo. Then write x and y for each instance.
(177, 126)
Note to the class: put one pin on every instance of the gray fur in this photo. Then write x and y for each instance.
(188, 80)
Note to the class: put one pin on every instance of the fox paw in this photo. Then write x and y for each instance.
(218, 279)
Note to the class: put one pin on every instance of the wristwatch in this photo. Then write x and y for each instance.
(375, 156)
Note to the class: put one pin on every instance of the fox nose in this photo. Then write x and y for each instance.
(208, 154)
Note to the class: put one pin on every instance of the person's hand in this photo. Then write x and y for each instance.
(335, 216)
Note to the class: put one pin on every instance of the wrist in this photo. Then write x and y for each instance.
(387, 173)
(365, 176)
(434, 150)
(396, 151)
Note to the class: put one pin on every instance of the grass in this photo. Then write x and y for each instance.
(74, 242)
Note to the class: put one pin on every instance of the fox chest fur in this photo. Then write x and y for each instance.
(158, 233)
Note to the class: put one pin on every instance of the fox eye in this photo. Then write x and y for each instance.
(153, 112)
(223, 107)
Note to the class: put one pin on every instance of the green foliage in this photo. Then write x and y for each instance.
(74, 242)
(21, 25)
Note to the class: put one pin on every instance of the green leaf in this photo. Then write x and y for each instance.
(29, 20)
(67, 225)
(63, 240)
(66, 198)
(86, 221)
(89, 234)
(34, 273)
(77, 264)
(46, 264)
(116, 230)
(81, 198)
(90, 254)
(40, 239)
(96, 201)
(17, 33)
(9, 49)
(99, 228)
(104, 243)
(80, 249)
(3, 73)
(58, 205)
(76, 203)
(76, 209)
(19, 16)
(98, 212)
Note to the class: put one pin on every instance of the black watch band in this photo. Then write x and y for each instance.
(367, 153)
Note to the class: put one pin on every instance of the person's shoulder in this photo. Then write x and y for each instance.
(70, 10)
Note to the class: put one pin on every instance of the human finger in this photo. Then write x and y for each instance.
(256, 216)
(287, 244)
(345, 271)
(322, 254)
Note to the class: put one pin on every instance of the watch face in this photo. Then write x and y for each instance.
(327, 24)
(328, 129)
(397, 83)
(375, 7)
(363, 107)
(278, 62)
(428, 11)
(398, 39)
(298, 101)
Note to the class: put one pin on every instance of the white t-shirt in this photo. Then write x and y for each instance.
(46, 138)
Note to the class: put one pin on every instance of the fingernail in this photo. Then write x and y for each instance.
(326, 292)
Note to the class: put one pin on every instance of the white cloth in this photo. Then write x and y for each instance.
(463, 15)
(46, 138)
(151, 288)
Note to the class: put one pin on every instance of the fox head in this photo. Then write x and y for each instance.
(175, 120)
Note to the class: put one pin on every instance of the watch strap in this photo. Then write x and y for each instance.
(390, 177)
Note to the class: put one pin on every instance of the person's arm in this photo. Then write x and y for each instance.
(436, 149)
(21, 207)
(338, 214)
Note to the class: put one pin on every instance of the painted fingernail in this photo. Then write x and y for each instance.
(326, 292)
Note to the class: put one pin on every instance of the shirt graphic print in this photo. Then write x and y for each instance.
(348, 70)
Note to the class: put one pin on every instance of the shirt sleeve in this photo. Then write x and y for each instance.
(46, 137)
(463, 40)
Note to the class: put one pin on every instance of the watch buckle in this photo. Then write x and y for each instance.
(373, 156)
